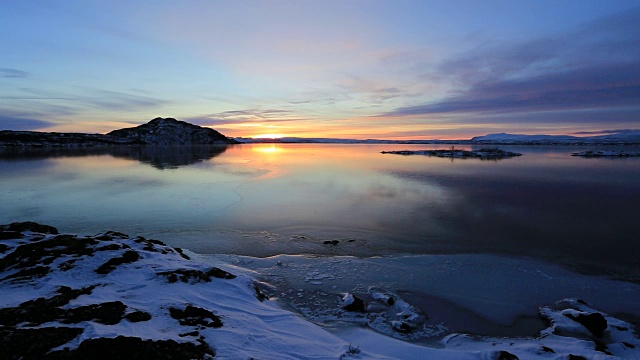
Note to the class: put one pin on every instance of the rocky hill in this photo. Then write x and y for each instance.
(169, 131)
(159, 131)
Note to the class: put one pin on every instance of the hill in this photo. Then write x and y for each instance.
(159, 131)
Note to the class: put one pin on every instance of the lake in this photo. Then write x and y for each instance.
(267, 199)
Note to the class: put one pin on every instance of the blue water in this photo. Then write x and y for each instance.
(266, 199)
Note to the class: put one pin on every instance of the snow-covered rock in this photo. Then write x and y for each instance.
(114, 296)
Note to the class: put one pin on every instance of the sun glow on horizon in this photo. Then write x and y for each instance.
(268, 136)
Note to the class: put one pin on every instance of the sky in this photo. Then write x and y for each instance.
(361, 69)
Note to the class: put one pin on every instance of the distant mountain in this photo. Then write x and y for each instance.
(504, 137)
(159, 131)
(619, 137)
(612, 138)
(299, 140)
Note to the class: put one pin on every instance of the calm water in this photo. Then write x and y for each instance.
(267, 199)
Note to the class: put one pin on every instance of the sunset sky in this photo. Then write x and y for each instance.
(348, 69)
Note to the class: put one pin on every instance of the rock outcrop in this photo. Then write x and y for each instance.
(169, 131)
(482, 154)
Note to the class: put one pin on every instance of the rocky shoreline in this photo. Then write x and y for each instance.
(112, 296)
(483, 154)
(159, 131)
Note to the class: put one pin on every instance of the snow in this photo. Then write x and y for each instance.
(621, 136)
(303, 317)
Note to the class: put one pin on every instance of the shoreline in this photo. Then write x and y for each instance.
(456, 278)
(136, 276)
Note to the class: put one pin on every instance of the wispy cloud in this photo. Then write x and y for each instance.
(594, 67)
(615, 131)
(13, 121)
(119, 101)
(245, 116)
(13, 73)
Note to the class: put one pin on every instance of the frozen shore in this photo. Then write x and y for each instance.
(68, 296)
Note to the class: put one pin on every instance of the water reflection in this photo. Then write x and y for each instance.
(159, 157)
(294, 196)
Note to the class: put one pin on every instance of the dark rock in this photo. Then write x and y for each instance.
(195, 316)
(138, 316)
(129, 256)
(3, 248)
(110, 247)
(10, 235)
(111, 235)
(46, 251)
(190, 333)
(332, 242)
(548, 349)
(402, 327)
(34, 343)
(576, 357)
(169, 131)
(220, 274)
(602, 347)
(630, 346)
(505, 355)
(357, 305)
(390, 301)
(29, 273)
(108, 313)
(67, 265)
(193, 275)
(179, 250)
(42, 310)
(260, 295)
(32, 226)
(594, 322)
(125, 348)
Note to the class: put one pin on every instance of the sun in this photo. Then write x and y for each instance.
(269, 136)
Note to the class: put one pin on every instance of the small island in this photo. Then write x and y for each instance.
(483, 154)
(607, 154)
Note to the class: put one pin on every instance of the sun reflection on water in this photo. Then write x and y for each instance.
(267, 148)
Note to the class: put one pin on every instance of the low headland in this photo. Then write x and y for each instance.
(159, 131)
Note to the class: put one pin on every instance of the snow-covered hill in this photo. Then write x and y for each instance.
(622, 137)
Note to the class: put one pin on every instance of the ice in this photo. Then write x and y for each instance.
(496, 288)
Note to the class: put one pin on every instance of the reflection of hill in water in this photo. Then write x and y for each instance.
(160, 157)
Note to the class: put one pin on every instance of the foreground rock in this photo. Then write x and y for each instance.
(483, 154)
(159, 131)
(112, 296)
